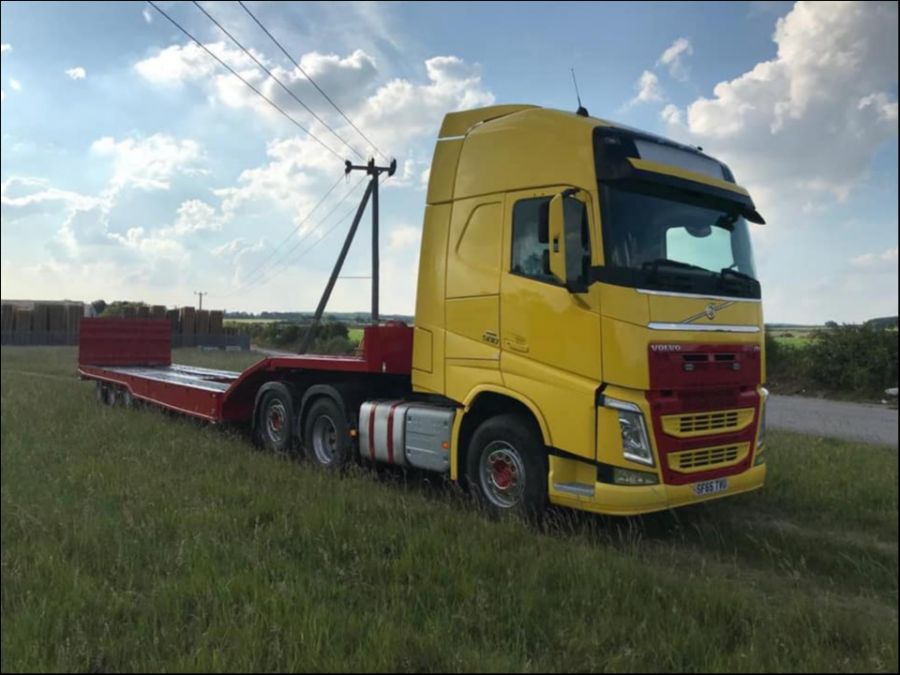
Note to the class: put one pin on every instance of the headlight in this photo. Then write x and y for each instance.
(635, 441)
(761, 436)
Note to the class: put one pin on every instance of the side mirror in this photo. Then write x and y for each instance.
(557, 237)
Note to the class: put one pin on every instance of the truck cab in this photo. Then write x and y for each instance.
(588, 302)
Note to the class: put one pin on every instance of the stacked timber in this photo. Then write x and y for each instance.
(22, 321)
(187, 320)
(56, 318)
(201, 326)
(74, 314)
(215, 322)
(6, 318)
(172, 316)
(40, 317)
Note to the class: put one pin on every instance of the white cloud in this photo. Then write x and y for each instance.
(887, 108)
(148, 163)
(177, 64)
(194, 215)
(805, 125)
(394, 115)
(15, 85)
(648, 90)
(674, 59)
(38, 191)
(671, 114)
(5, 48)
(887, 258)
(76, 73)
(404, 236)
(97, 240)
(287, 181)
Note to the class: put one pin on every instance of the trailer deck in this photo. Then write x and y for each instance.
(134, 355)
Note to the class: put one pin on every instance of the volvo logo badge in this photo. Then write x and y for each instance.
(709, 312)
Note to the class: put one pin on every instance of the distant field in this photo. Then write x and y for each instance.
(240, 321)
(793, 336)
(796, 339)
(139, 540)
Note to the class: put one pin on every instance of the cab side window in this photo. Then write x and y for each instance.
(530, 239)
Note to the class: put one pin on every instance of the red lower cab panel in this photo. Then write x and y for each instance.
(689, 384)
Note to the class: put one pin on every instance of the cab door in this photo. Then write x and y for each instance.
(550, 336)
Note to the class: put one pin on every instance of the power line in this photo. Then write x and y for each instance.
(284, 256)
(299, 224)
(312, 81)
(279, 82)
(263, 278)
(233, 72)
(337, 223)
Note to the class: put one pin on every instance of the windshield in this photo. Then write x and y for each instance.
(675, 242)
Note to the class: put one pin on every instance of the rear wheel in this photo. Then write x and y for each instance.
(274, 422)
(326, 434)
(506, 466)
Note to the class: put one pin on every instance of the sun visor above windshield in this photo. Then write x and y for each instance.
(658, 164)
(676, 157)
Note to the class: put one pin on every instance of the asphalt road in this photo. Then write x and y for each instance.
(850, 421)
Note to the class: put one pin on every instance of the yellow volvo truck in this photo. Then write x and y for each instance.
(587, 296)
(588, 330)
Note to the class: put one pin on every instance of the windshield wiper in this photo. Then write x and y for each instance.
(654, 265)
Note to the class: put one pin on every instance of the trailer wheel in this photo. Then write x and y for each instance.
(275, 420)
(101, 391)
(126, 398)
(506, 466)
(326, 435)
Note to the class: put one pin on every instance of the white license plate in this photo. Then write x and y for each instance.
(710, 487)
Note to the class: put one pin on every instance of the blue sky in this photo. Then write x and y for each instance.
(133, 167)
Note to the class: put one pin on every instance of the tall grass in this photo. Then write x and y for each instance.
(137, 540)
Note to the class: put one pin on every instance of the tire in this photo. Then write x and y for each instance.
(506, 466)
(275, 420)
(128, 401)
(102, 393)
(326, 435)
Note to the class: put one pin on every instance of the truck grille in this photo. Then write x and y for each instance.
(703, 459)
(706, 423)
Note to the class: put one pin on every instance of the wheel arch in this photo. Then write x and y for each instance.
(482, 404)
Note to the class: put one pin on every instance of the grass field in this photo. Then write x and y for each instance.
(137, 540)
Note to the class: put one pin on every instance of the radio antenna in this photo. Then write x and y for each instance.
(581, 109)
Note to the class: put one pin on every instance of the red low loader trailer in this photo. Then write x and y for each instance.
(131, 360)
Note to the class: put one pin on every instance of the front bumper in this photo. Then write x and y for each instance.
(622, 500)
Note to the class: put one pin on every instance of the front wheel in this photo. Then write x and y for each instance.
(506, 466)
